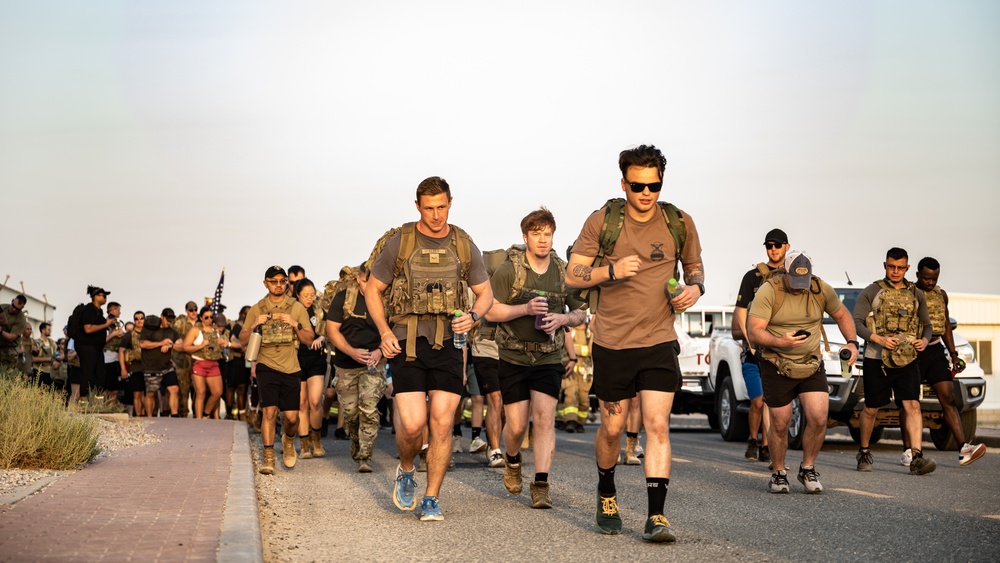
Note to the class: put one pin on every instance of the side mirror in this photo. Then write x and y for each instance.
(953, 323)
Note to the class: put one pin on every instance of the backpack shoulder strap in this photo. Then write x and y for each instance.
(516, 256)
(614, 219)
(463, 246)
(779, 293)
(407, 244)
(763, 271)
(675, 224)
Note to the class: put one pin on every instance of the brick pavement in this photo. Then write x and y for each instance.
(161, 502)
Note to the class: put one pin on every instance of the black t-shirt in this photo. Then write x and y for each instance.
(748, 287)
(306, 352)
(360, 333)
(154, 360)
(92, 315)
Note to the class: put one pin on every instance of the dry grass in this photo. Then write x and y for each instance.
(36, 430)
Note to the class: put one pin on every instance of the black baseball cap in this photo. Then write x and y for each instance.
(273, 271)
(776, 235)
(168, 313)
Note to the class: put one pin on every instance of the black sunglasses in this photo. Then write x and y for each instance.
(773, 245)
(638, 187)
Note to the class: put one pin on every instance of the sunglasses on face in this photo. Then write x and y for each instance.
(192, 310)
(772, 245)
(207, 317)
(282, 281)
(137, 319)
(639, 187)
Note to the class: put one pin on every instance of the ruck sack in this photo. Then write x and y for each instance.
(614, 220)
(74, 326)
(347, 282)
(815, 294)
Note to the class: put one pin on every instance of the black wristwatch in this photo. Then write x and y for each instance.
(700, 286)
(475, 317)
(300, 326)
(855, 342)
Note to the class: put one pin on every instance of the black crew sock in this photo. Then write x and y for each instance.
(631, 434)
(456, 430)
(606, 481)
(303, 436)
(917, 453)
(656, 490)
(513, 459)
(315, 429)
(476, 430)
(541, 477)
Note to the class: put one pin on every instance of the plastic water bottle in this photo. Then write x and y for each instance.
(460, 337)
(673, 290)
(371, 369)
(540, 319)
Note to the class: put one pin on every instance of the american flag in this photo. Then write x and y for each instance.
(217, 300)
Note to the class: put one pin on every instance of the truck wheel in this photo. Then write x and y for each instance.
(876, 434)
(944, 440)
(796, 426)
(733, 425)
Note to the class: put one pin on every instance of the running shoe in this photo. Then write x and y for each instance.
(430, 510)
(639, 452)
(658, 529)
(512, 477)
(496, 459)
(764, 455)
(478, 445)
(922, 466)
(906, 458)
(810, 480)
(403, 491)
(779, 482)
(752, 447)
(456, 444)
(609, 521)
(865, 460)
(971, 453)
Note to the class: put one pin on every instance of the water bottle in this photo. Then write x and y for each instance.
(540, 319)
(673, 290)
(253, 347)
(459, 337)
(845, 361)
(371, 369)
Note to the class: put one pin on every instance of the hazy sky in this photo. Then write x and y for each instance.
(146, 145)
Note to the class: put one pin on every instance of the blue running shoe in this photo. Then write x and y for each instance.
(430, 510)
(404, 490)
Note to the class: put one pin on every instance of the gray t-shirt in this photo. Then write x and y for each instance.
(383, 266)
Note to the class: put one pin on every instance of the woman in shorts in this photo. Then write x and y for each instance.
(205, 344)
(312, 362)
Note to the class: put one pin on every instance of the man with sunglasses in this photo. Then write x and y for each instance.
(635, 346)
(285, 326)
(891, 315)
(776, 246)
(12, 323)
(182, 360)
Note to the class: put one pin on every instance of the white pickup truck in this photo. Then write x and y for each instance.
(846, 391)
(694, 329)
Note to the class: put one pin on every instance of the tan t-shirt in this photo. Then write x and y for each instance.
(277, 352)
(797, 312)
(635, 312)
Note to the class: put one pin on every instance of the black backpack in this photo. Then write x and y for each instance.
(74, 327)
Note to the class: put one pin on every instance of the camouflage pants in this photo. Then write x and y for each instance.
(10, 358)
(359, 392)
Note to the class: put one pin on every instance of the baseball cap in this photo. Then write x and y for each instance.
(776, 235)
(168, 313)
(220, 320)
(275, 270)
(97, 291)
(798, 268)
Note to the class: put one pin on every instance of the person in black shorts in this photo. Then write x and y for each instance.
(312, 360)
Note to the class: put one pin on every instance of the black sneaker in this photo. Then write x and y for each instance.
(810, 480)
(609, 521)
(779, 482)
(752, 447)
(865, 460)
(764, 454)
(658, 529)
(921, 466)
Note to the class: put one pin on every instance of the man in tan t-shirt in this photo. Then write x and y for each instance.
(635, 347)
(787, 337)
(284, 326)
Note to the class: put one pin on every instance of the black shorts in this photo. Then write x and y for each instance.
(433, 370)
(136, 382)
(278, 389)
(312, 365)
(934, 365)
(239, 373)
(620, 374)
(487, 374)
(780, 390)
(112, 376)
(880, 385)
(517, 382)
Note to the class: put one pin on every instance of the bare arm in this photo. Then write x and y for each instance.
(740, 324)
(757, 328)
(845, 321)
(376, 311)
(580, 273)
(483, 305)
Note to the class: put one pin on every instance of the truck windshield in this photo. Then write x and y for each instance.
(848, 296)
(699, 324)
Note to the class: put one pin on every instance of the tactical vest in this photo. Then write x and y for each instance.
(46, 349)
(182, 325)
(428, 284)
(937, 310)
(275, 332)
(348, 283)
(504, 336)
(115, 343)
(213, 351)
(135, 352)
(895, 311)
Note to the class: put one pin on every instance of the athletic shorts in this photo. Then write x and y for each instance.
(517, 382)
(278, 389)
(312, 365)
(879, 385)
(471, 381)
(751, 376)
(239, 373)
(112, 376)
(157, 381)
(934, 365)
(487, 374)
(432, 370)
(779, 390)
(620, 374)
(206, 368)
(136, 382)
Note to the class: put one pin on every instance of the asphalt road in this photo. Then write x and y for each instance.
(718, 505)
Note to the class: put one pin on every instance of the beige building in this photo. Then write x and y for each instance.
(37, 310)
(978, 319)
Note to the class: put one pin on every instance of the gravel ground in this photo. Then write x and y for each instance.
(112, 437)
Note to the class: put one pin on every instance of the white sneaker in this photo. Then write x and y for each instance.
(971, 453)
(906, 458)
(496, 459)
(639, 452)
(456, 444)
(478, 445)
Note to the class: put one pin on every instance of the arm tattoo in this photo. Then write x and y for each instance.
(694, 273)
(613, 407)
(581, 271)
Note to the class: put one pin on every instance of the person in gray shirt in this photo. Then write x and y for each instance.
(891, 315)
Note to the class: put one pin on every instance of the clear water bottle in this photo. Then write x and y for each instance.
(673, 290)
(460, 337)
(371, 369)
(540, 319)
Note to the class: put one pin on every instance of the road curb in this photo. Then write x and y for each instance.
(241, 540)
